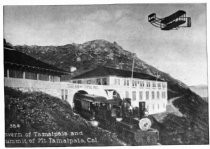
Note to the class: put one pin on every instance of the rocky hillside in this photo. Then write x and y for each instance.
(37, 112)
(186, 122)
(98, 52)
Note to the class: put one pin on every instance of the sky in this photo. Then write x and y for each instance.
(181, 53)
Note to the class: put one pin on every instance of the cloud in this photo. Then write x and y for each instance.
(99, 16)
(121, 13)
(103, 16)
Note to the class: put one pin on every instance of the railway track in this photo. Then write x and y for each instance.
(114, 136)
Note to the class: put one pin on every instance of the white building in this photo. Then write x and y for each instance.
(141, 87)
(26, 73)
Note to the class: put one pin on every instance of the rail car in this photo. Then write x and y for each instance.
(117, 115)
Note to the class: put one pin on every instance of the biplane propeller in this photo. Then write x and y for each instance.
(174, 21)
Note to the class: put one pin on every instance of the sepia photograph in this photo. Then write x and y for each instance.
(105, 75)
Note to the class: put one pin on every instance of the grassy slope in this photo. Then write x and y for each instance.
(38, 112)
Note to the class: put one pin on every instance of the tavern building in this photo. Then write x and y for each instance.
(18, 65)
(27, 73)
(142, 87)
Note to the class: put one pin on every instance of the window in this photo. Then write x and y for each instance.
(163, 85)
(74, 81)
(163, 94)
(15, 73)
(118, 81)
(154, 84)
(56, 78)
(127, 82)
(158, 95)
(79, 81)
(147, 95)
(104, 81)
(85, 105)
(141, 83)
(127, 94)
(159, 85)
(153, 95)
(66, 94)
(134, 83)
(30, 75)
(44, 77)
(115, 81)
(98, 81)
(148, 84)
(133, 95)
(88, 81)
(62, 94)
(140, 95)
(124, 82)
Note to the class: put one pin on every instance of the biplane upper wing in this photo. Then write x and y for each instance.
(172, 17)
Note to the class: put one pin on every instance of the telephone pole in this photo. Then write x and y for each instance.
(132, 68)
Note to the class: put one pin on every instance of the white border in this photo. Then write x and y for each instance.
(85, 2)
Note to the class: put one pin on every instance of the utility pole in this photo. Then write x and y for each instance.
(132, 69)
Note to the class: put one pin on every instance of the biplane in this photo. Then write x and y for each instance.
(174, 21)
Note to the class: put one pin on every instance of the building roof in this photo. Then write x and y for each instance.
(108, 71)
(18, 59)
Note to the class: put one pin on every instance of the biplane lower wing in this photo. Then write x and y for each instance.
(173, 25)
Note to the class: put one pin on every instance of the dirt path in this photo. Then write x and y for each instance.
(172, 109)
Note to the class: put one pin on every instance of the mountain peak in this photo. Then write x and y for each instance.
(102, 44)
(97, 52)
(98, 41)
